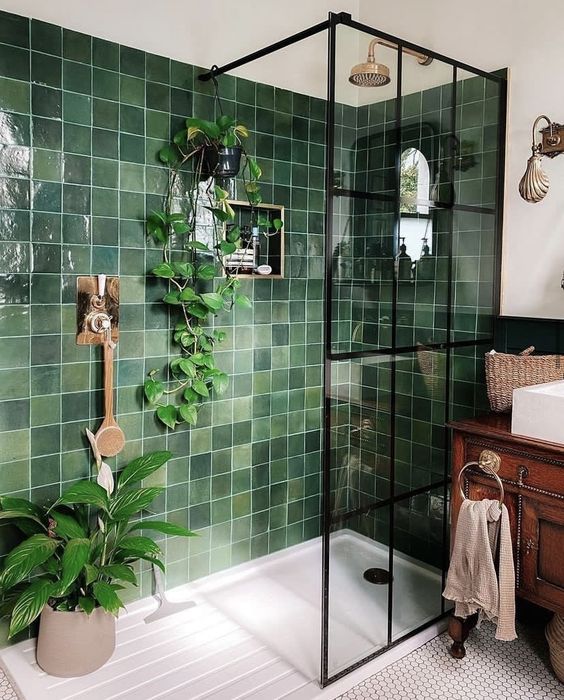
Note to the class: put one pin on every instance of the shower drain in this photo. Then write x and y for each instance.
(377, 576)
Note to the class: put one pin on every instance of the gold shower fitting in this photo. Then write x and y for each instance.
(372, 74)
(534, 184)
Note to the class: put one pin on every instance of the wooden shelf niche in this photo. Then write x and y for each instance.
(271, 241)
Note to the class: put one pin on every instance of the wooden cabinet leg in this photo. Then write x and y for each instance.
(459, 628)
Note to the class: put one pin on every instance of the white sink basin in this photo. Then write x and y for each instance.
(538, 412)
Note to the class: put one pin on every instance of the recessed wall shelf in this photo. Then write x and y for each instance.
(270, 241)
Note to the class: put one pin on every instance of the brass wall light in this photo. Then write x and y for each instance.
(534, 183)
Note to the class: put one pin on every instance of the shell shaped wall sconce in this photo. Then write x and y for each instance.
(534, 183)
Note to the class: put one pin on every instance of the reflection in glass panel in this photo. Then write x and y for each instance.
(418, 560)
(420, 417)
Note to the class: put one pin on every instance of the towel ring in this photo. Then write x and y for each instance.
(488, 462)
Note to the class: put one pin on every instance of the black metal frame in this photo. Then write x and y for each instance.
(330, 25)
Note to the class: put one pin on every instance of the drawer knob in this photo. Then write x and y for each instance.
(530, 545)
(523, 474)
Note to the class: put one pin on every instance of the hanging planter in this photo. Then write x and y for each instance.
(222, 161)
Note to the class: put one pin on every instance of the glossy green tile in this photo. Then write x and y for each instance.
(46, 70)
(77, 108)
(46, 102)
(14, 95)
(14, 62)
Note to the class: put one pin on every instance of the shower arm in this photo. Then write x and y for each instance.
(422, 59)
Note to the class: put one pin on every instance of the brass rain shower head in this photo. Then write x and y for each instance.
(372, 74)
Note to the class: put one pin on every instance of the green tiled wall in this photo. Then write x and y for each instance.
(81, 122)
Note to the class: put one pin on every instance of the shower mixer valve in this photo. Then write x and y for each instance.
(97, 310)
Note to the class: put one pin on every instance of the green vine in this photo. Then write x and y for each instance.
(193, 375)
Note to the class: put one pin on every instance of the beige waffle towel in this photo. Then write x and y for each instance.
(472, 581)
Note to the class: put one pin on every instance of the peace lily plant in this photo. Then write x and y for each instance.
(200, 285)
(79, 553)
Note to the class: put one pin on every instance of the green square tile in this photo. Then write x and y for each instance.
(105, 84)
(132, 119)
(14, 62)
(77, 169)
(14, 29)
(105, 173)
(47, 38)
(77, 139)
(77, 46)
(47, 133)
(132, 61)
(158, 68)
(132, 90)
(14, 95)
(46, 102)
(77, 108)
(77, 77)
(105, 144)
(105, 54)
(46, 70)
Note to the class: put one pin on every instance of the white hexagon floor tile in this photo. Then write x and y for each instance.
(491, 670)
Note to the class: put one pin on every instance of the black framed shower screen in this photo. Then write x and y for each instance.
(404, 343)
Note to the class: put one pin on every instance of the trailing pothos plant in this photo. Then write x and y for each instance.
(195, 203)
(80, 551)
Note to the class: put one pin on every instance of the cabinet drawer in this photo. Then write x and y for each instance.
(539, 474)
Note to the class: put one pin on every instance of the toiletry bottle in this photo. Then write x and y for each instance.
(425, 269)
(403, 263)
(255, 239)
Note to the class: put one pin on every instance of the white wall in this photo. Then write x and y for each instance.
(489, 35)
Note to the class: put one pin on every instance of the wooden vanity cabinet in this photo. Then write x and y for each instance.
(532, 472)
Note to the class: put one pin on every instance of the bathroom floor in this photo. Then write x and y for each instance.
(491, 670)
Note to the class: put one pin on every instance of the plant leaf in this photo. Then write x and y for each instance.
(243, 301)
(140, 544)
(164, 527)
(133, 555)
(87, 604)
(168, 155)
(91, 573)
(29, 605)
(220, 382)
(188, 294)
(233, 234)
(107, 597)
(86, 492)
(172, 298)
(153, 390)
(254, 169)
(189, 413)
(219, 214)
(180, 137)
(67, 526)
(122, 572)
(200, 388)
(129, 502)
(142, 467)
(75, 556)
(206, 272)
(187, 367)
(183, 269)
(21, 505)
(167, 415)
(24, 558)
(197, 245)
(227, 248)
(213, 301)
(163, 270)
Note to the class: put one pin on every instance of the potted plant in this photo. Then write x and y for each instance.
(191, 263)
(77, 555)
(221, 144)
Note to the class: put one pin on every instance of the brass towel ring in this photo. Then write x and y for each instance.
(489, 462)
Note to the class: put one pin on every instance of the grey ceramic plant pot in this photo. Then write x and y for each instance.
(74, 643)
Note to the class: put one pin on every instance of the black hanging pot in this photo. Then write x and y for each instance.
(222, 161)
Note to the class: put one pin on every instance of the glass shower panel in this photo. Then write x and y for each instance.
(473, 275)
(364, 210)
(477, 143)
(425, 199)
(420, 413)
(419, 552)
(360, 482)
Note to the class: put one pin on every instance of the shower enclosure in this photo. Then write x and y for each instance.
(414, 162)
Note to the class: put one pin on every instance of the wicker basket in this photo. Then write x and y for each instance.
(555, 637)
(506, 372)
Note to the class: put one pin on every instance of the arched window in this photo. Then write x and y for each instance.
(414, 183)
(416, 226)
